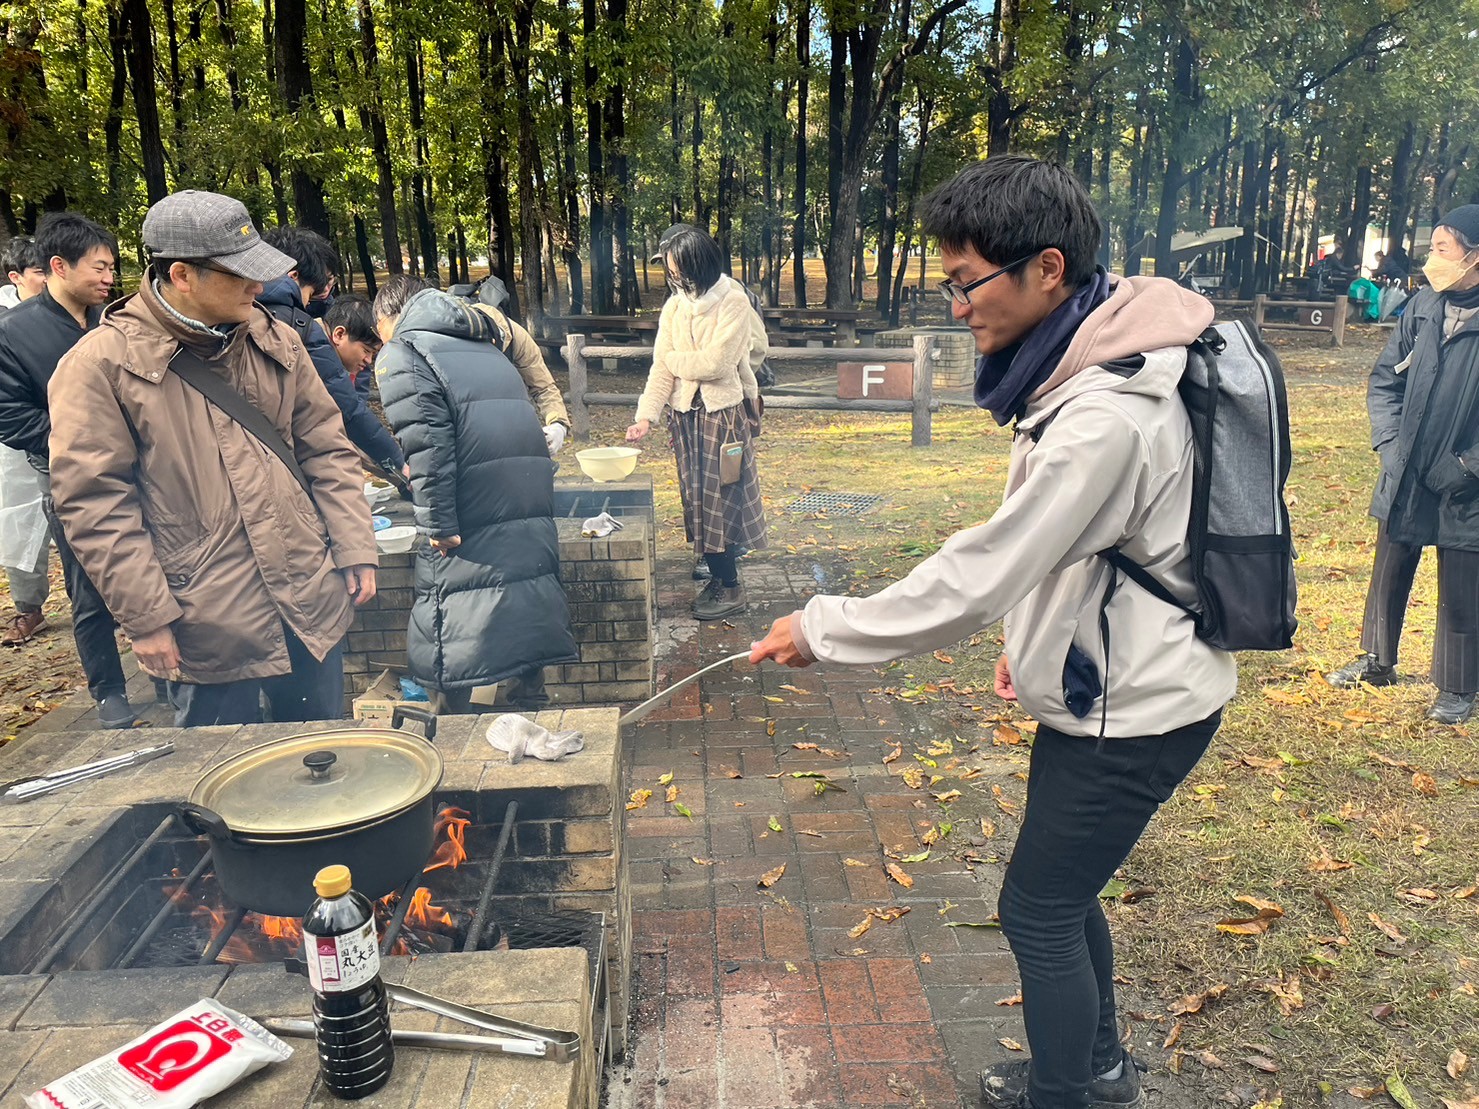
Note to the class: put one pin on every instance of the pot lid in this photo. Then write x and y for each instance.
(320, 782)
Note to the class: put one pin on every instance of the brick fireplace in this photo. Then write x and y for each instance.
(563, 858)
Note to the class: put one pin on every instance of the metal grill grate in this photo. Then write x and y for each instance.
(835, 504)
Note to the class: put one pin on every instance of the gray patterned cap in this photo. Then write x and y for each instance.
(208, 227)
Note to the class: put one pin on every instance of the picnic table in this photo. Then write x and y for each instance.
(841, 323)
(626, 327)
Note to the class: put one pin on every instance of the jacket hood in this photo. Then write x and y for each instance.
(434, 311)
(284, 290)
(1142, 314)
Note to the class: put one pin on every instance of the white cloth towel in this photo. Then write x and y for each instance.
(519, 736)
(598, 527)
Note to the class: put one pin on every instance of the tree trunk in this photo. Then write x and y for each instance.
(295, 86)
(529, 241)
(1355, 240)
(420, 176)
(601, 277)
(1001, 114)
(1244, 269)
(366, 262)
(140, 57)
(1183, 103)
(176, 86)
(888, 223)
(569, 178)
(113, 121)
(1401, 192)
(798, 208)
(619, 217)
(374, 116)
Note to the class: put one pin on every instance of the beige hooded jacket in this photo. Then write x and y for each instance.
(1113, 467)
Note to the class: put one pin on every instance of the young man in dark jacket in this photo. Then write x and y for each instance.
(489, 606)
(80, 259)
(298, 300)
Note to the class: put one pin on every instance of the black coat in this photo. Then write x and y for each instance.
(481, 470)
(33, 337)
(282, 299)
(1423, 399)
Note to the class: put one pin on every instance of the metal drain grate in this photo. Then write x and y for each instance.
(835, 504)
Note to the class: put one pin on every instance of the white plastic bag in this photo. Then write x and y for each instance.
(520, 736)
(196, 1054)
(23, 529)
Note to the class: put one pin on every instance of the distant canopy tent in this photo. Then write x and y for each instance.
(1188, 246)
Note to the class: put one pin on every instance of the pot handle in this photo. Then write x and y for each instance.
(203, 822)
(428, 719)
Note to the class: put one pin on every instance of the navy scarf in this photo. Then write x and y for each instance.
(1006, 379)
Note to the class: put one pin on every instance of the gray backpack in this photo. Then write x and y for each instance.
(1242, 551)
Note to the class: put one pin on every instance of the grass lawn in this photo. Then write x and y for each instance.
(1347, 818)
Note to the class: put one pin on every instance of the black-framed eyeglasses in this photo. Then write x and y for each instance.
(961, 294)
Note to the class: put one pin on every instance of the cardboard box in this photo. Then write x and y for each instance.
(377, 704)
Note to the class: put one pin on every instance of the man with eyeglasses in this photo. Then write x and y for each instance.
(1126, 696)
(204, 479)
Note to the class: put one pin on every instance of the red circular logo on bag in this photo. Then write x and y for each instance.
(173, 1055)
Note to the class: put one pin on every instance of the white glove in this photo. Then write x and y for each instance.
(554, 437)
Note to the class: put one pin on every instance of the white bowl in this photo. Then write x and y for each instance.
(396, 540)
(608, 463)
(377, 491)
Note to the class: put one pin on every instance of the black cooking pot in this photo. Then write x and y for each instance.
(278, 814)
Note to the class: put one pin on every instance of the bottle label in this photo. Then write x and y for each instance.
(338, 964)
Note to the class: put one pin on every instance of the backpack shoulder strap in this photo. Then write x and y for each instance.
(297, 319)
(1145, 580)
(193, 371)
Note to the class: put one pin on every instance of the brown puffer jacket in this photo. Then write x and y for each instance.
(180, 516)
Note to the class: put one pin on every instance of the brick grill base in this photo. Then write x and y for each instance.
(956, 364)
(609, 583)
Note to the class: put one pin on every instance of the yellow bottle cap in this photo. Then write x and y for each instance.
(332, 881)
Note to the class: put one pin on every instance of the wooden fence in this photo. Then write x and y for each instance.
(1328, 316)
(922, 403)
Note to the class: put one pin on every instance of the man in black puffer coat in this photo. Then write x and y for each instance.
(489, 605)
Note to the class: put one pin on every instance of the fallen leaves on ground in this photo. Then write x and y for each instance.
(1015, 999)
(887, 916)
(1009, 1043)
(682, 810)
(1193, 1003)
(1425, 784)
(1287, 992)
(773, 824)
(701, 860)
(899, 875)
(1388, 930)
(771, 877)
(1342, 921)
(1262, 1063)
(665, 779)
(1458, 1063)
(853, 862)
(893, 753)
(1398, 1092)
(639, 799)
(1173, 1037)
(1268, 912)
(672, 794)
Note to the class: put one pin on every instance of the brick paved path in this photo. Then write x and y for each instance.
(760, 999)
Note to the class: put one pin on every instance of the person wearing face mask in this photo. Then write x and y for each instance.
(1423, 399)
(702, 372)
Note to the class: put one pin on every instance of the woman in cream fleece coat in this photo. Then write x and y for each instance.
(701, 373)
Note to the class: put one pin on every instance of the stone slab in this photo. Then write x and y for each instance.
(88, 998)
(16, 993)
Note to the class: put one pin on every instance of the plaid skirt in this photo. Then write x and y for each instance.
(714, 515)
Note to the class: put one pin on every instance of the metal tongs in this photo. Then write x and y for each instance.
(517, 1037)
(24, 789)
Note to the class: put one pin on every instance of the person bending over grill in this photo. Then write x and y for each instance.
(489, 607)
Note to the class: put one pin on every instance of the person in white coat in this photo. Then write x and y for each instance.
(702, 374)
(1126, 696)
(25, 542)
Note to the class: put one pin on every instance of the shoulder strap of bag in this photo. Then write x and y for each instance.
(193, 371)
(1146, 580)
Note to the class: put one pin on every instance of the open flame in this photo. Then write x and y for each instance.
(423, 913)
(452, 851)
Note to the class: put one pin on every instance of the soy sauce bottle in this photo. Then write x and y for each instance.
(350, 1012)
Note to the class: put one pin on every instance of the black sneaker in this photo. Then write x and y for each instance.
(718, 601)
(701, 571)
(1364, 669)
(1004, 1086)
(1452, 708)
(114, 712)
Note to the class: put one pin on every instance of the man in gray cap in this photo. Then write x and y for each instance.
(205, 481)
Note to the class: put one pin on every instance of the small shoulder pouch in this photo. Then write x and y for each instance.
(731, 459)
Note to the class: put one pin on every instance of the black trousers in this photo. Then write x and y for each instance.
(312, 690)
(1456, 645)
(93, 626)
(524, 692)
(1087, 804)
